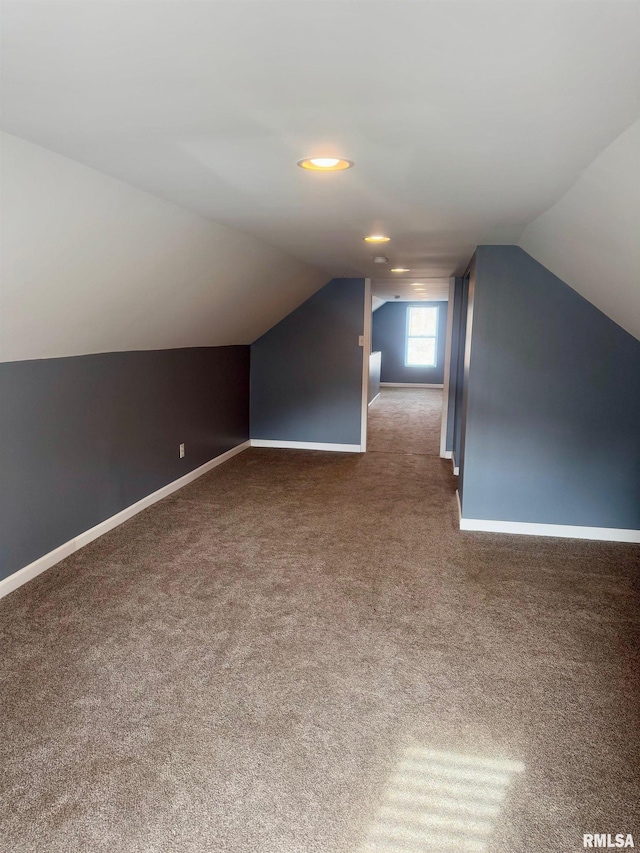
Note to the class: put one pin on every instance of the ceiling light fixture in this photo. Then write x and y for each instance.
(376, 238)
(325, 164)
(400, 269)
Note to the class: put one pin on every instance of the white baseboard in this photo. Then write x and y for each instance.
(374, 399)
(408, 385)
(563, 531)
(456, 468)
(305, 445)
(448, 454)
(17, 579)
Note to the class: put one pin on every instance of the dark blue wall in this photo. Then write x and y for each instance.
(306, 372)
(389, 336)
(83, 438)
(552, 408)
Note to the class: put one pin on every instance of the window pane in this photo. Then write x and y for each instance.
(423, 321)
(421, 351)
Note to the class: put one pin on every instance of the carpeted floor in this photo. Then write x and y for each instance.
(301, 653)
(405, 420)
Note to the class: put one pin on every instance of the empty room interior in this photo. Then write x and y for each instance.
(320, 426)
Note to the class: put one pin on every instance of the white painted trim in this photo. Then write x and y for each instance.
(40, 565)
(564, 531)
(456, 471)
(305, 445)
(456, 468)
(375, 398)
(17, 579)
(366, 355)
(448, 454)
(447, 370)
(407, 385)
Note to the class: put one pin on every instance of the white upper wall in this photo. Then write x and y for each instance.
(591, 237)
(90, 264)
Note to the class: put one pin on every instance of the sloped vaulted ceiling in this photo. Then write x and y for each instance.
(90, 264)
(591, 237)
(466, 119)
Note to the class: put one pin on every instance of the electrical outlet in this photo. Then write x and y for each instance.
(182, 451)
(360, 340)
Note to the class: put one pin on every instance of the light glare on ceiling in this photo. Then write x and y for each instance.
(400, 269)
(325, 164)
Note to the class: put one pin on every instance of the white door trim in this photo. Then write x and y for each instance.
(366, 353)
(447, 369)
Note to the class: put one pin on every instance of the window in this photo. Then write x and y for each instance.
(422, 329)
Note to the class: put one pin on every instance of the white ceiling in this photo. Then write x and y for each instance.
(411, 289)
(466, 120)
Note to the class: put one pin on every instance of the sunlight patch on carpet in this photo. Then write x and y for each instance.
(440, 801)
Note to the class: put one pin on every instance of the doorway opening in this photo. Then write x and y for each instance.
(452, 436)
(405, 420)
(406, 370)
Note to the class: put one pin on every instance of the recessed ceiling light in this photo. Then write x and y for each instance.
(376, 238)
(325, 164)
(400, 269)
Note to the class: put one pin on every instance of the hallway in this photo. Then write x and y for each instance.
(301, 653)
(405, 420)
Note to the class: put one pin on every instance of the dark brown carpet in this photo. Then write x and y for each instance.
(405, 420)
(300, 653)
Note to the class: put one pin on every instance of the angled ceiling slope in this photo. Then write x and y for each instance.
(90, 264)
(466, 120)
(591, 237)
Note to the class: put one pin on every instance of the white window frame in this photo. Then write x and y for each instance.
(434, 337)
